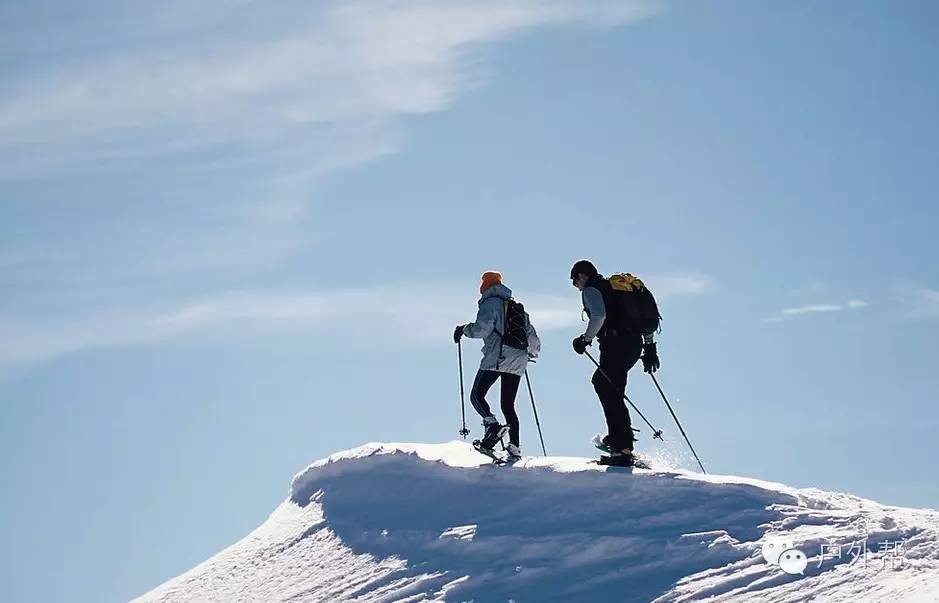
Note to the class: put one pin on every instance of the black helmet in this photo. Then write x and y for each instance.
(583, 267)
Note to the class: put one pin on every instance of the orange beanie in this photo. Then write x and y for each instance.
(489, 279)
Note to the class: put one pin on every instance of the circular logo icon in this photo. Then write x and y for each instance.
(773, 548)
(793, 561)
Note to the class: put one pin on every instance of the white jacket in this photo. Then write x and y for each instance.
(489, 323)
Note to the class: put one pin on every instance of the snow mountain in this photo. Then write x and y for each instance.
(439, 522)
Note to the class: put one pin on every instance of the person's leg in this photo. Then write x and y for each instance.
(632, 350)
(613, 363)
(622, 354)
(481, 385)
(509, 391)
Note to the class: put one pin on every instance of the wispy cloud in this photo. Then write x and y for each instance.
(680, 284)
(853, 304)
(260, 79)
(419, 313)
(921, 302)
(191, 136)
(232, 111)
(812, 309)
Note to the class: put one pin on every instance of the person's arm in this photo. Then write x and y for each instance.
(593, 303)
(485, 321)
(650, 355)
(534, 342)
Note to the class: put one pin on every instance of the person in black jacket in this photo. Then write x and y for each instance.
(620, 349)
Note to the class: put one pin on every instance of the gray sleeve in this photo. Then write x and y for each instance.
(593, 302)
(534, 342)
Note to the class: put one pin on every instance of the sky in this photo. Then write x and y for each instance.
(236, 237)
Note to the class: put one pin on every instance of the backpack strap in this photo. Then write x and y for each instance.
(505, 316)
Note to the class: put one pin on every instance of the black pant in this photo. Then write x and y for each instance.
(617, 356)
(484, 380)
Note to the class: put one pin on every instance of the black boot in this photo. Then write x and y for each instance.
(494, 433)
(603, 443)
(618, 459)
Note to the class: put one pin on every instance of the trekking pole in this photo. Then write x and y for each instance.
(656, 433)
(535, 410)
(459, 350)
(654, 380)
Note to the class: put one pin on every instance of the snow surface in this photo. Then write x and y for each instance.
(439, 522)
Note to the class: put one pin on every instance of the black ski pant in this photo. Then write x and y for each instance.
(617, 356)
(481, 385)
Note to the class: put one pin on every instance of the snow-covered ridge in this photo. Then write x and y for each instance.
(422, 522)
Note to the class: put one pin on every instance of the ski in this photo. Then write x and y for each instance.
(605, 460)
(498, 460)
(631, 461)
(636, 463)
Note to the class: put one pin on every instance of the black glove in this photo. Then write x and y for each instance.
(458, 333)
(580, 344)
(650, 358)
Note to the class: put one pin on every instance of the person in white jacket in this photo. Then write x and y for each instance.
(501, 358)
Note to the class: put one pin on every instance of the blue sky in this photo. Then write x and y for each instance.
(236, 238)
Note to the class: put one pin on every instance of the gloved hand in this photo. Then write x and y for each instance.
(650, 358)
(458, 333)
(580, 344)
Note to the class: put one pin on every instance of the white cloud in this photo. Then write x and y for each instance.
(251, 79)
(420, 313)
(785, 313)
(922, 303)
(213, 122)
(416, 312)
(268, 98)
(812, 308)
(670, 285)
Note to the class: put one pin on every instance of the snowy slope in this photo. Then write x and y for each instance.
(422, 522)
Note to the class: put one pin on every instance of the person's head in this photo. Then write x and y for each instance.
(489, 279)
(582, 271)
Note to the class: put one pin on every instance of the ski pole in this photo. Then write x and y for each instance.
(459, 350)
(656, 433)
(535, 410)
(661, 393)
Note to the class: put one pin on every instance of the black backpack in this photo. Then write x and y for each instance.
(516, 325)
(630, 306)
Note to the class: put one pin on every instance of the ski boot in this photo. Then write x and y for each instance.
(494, 433)
(621, 458)
(513, 453)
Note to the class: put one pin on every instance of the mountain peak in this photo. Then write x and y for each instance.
(438, 522)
